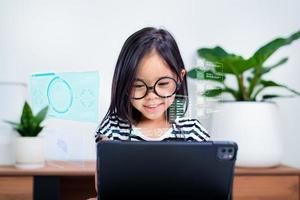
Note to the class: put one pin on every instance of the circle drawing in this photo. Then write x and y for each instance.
(60, 95)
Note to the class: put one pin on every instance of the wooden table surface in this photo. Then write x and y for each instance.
(55, 168)
(87, 168)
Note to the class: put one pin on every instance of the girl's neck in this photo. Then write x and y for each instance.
(153, 124)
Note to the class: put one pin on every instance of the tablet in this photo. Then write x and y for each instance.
(165, 170)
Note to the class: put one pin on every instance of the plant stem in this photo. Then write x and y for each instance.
(242, 90)
(255, 79)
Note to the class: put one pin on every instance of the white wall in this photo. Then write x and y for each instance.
(82, 35)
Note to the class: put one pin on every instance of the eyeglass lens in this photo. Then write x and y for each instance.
(163, 87)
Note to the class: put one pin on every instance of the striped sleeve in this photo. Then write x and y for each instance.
(104, 130)
(113, 128)
(192, 129)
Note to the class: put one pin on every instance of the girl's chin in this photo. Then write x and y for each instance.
(153, 116)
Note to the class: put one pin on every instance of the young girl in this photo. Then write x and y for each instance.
(149, 75)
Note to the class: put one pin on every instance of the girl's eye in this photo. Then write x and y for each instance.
(138, 85)
(163, 83)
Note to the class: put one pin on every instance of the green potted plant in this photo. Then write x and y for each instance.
(29, 147)
(250, 118)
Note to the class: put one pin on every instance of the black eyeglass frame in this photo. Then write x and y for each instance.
(148, 88)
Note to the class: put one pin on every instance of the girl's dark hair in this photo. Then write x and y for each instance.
(135, 48)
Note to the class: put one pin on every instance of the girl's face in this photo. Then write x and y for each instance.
(151, 68)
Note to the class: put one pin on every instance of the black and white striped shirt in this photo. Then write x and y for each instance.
(186, 129)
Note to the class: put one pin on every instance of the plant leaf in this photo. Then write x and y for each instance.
(41, 115)
(37, 130)
(200, 74)
(268, 69)
(263, 53)
(212, 92)
(29, 124)
(271, 96)
(26, 114)
(272, 83)
(21, 130)
(232, 64)
(267, 83)
(11, 123)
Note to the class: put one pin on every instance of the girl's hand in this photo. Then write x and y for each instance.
(103, 137)
(92, 198)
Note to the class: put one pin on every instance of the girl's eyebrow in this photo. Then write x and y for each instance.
(156, 78)
(145, 80)
(138, 79)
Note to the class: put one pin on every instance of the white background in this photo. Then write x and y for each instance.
(41, 36)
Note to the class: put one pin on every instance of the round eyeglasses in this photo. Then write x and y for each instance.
(164, 87)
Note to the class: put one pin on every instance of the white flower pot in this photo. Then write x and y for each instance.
(255, 127)
(29, 152)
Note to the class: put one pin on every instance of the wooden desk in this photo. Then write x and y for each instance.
(57, 180)
(66, 180)
(280, 183)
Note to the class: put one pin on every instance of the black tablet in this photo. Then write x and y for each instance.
(165, 170)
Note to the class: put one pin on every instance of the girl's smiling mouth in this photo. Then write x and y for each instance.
(152, 107)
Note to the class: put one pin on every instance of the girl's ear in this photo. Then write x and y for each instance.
(182, 74)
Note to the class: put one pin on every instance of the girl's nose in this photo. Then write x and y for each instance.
(151, 95)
